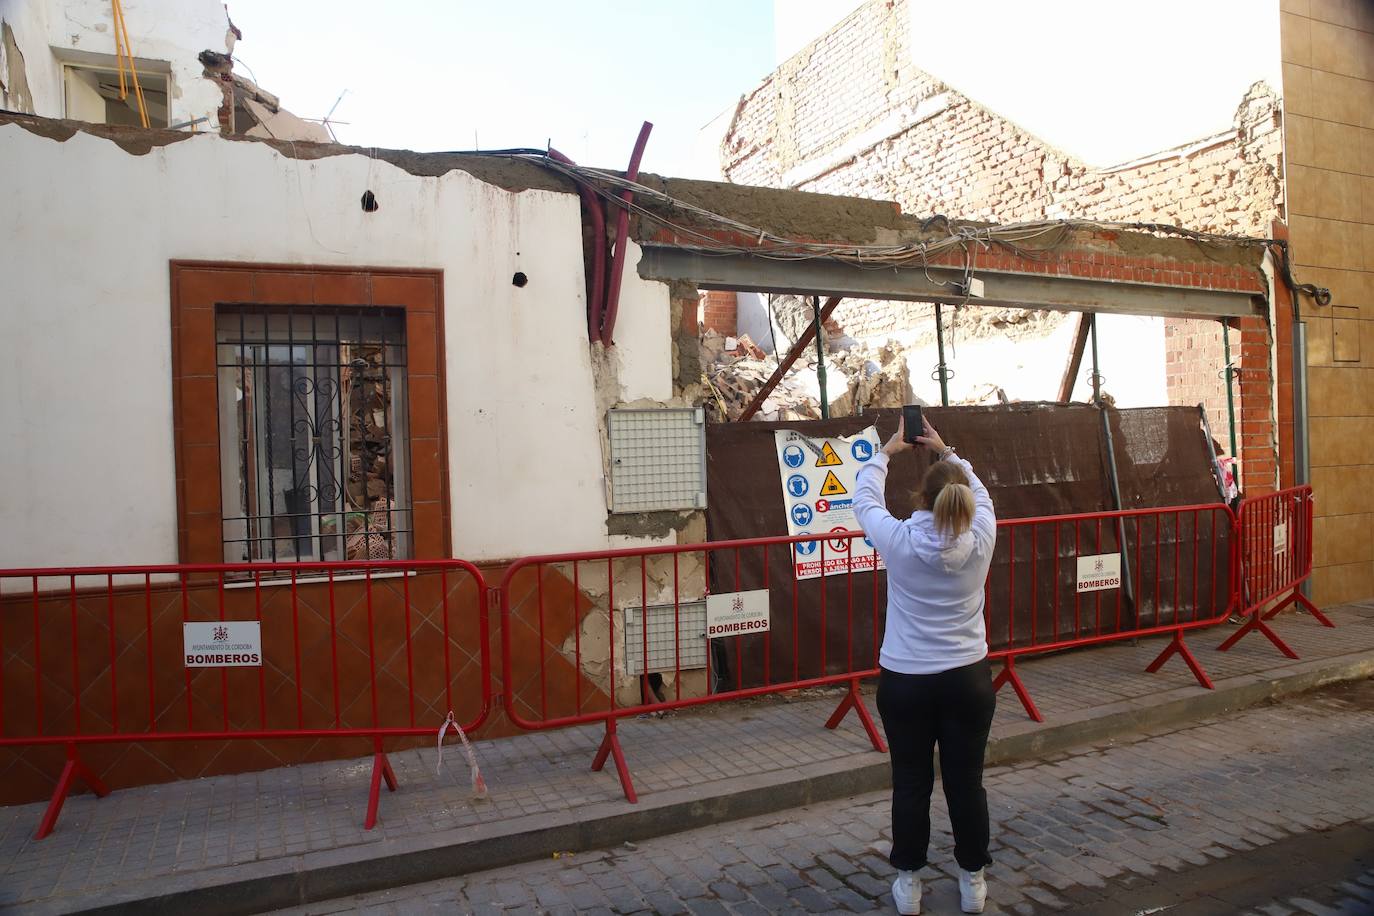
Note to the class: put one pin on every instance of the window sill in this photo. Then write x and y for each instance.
(316, 580)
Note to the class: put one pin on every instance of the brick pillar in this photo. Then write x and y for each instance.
(1256, 415)
(720, 312)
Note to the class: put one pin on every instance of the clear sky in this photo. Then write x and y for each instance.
(433, 75)
(1106, 81)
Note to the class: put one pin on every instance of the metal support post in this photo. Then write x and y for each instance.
(1126, 583)
(1096, 378)
(1230, 388)
(820, 357)
(941, 368)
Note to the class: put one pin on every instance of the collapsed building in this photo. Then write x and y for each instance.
(383, 354)
(504, 347)
(854, 113)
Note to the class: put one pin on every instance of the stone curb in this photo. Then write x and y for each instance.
(324, 875)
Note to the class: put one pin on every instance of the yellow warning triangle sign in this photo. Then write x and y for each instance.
(828, 458)
(832, 485)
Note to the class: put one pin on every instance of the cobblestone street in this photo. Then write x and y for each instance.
(1268, 811)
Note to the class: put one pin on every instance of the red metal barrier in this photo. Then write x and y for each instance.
(349, 647)
(823, 631)
(1275, 559)
(349, 650)
(1176, 573)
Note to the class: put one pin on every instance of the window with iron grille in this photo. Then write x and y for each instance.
(313, 441)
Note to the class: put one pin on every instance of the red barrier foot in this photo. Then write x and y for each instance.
(1281, 606)
(1178, 645)
(1009, 676)
(1311, 608)
(381, 770)
(611, 745)
(853, 699)
(71, 772)
(1256, 622)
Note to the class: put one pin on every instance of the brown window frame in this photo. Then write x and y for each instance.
(199, 287)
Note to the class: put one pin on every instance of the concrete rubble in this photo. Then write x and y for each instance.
(858, 378)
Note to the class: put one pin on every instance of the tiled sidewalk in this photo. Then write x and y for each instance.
(240, 828)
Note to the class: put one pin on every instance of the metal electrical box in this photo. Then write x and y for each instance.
(687, 618)
(658, 459)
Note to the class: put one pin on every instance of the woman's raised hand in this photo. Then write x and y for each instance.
(896, 443)
(931, 439)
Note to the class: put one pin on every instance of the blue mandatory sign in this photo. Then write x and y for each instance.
(862, 450)
(793, 456)
(869, 543)
(797, 485)
(801, 515)
(806, 548)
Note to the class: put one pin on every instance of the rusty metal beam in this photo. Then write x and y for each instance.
(1080, 342)
(798, 348)
(1002, 289)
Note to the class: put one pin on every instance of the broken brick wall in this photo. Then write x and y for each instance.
(851, 114)
(719, 312)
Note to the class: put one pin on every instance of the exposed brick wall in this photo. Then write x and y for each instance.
(719, 312)
(1194, 354)
(850, 114)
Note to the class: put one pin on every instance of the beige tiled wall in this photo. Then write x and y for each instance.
(1328, 75)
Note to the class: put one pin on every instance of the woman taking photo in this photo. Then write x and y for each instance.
(935, 686)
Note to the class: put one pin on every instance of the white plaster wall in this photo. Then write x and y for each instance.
(752, 318)
(29, 23)
(642, 320)
(84, 316)
(174, 31)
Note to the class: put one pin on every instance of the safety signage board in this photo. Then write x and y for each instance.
(818, 477)
(737, 613)
(1280, 537)
(223, 644)
(1099, 572)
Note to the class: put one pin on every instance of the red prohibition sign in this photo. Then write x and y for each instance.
(840, 545)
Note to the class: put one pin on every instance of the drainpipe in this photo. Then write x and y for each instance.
(1302, 470)
(597, 293)
(622, 231)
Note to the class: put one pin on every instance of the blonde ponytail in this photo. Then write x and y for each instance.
(953, 509)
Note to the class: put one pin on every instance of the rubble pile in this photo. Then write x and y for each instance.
(857, 379)
(876, 378)
(1008, 322)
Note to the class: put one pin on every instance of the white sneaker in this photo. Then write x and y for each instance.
(906, 893)
(973, 891)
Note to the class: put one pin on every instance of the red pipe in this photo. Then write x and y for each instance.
(622, 230)
(598, 217)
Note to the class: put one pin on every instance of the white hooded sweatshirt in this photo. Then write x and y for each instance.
(934, 582)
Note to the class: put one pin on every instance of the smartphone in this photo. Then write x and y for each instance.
(914, 424)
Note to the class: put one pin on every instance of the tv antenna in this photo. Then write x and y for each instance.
(328, 120)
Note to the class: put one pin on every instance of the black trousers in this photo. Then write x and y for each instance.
(952, 709)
